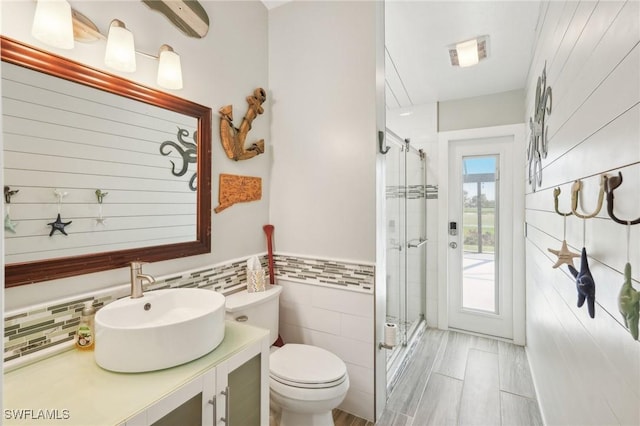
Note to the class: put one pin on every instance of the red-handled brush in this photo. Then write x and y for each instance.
(268, 230)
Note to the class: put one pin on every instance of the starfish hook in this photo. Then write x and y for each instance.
(585, 284)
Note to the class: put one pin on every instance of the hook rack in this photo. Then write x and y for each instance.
(610, 185)
(556, 194)
(575, 196)
(8, 193)
(100, 195)
(381, 145)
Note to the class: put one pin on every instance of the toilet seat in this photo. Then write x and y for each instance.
(307, 367)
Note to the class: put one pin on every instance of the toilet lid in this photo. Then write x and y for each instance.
(305, 364)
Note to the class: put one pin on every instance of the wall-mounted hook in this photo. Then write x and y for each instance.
(381, 146)
(610, 185)
(8, 193)
(575, 197)
(60, 194)
(100, 195)
(556, 194)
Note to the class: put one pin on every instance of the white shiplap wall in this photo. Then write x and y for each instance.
(70, 137)
(586, 371)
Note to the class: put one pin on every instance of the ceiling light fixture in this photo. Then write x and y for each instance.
(57, 24)
(469, 52)
(52, 23)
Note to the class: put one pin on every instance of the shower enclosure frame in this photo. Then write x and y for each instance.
(410, 326)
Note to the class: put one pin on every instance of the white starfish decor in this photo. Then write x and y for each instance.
(9, 225)
(564, 255)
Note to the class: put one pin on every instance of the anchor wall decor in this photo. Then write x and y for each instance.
(233, 138)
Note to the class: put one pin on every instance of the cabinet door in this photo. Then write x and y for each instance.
(194, 404)
(242, 385)
(184, 406)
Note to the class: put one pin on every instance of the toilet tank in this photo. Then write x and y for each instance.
(260, 309)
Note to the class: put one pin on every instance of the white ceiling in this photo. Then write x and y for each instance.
(417, 34)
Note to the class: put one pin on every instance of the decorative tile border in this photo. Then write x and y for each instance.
(40, 331)
(412, 192)
(354, 276)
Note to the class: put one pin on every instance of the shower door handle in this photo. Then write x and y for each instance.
(421, 242)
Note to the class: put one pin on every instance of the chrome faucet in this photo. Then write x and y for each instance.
(137, 278)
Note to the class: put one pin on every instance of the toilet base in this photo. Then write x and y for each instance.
(289, 418)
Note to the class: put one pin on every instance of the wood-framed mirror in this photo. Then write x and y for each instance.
(147, 150)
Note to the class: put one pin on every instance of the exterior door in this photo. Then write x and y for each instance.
(480, 236)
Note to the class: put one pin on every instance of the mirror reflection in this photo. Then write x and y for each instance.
(91, 172)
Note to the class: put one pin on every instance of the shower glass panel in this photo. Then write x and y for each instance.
(416, 241)
(406, 248)
(396, 267)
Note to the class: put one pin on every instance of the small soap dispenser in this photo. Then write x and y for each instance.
(85, 337)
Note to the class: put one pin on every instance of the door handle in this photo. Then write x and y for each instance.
(212, 401)
(421, 242)
(453, 244)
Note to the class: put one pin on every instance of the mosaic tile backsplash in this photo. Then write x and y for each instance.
(38, 332)
(315, 271)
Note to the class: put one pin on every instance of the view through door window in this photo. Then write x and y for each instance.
(480, 233)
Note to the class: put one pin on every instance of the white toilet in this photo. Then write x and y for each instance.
(306, 382)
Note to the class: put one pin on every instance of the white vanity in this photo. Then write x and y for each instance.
(228, 386)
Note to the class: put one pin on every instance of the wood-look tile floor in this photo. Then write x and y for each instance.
(459, 379)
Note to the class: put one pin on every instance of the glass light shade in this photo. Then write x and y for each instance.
(52, 23)
(467, 53)
(169, 69)
(121, 52)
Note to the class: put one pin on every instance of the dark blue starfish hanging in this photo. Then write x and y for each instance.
(585, 284)
(58, 225)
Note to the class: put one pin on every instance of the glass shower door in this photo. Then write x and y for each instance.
(396, 239)
(406, 246)
(416, 211)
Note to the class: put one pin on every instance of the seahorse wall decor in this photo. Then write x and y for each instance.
(233, 138)
(629, 303)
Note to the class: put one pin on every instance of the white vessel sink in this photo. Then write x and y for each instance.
(162, 329)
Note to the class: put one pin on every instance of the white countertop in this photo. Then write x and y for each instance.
(72, 381)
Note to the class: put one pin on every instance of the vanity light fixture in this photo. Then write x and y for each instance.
(121, 52)
(57, 24)
(52, 23)
(169, 68)
(469, 52)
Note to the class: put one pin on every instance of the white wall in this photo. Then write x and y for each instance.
(322, 76)
(586, 371)
(498, 109)
(222, 68)
(322, 79)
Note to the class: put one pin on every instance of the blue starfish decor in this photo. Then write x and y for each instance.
(58, 225)
(585, 284)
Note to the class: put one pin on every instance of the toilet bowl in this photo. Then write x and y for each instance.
(306, 382)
